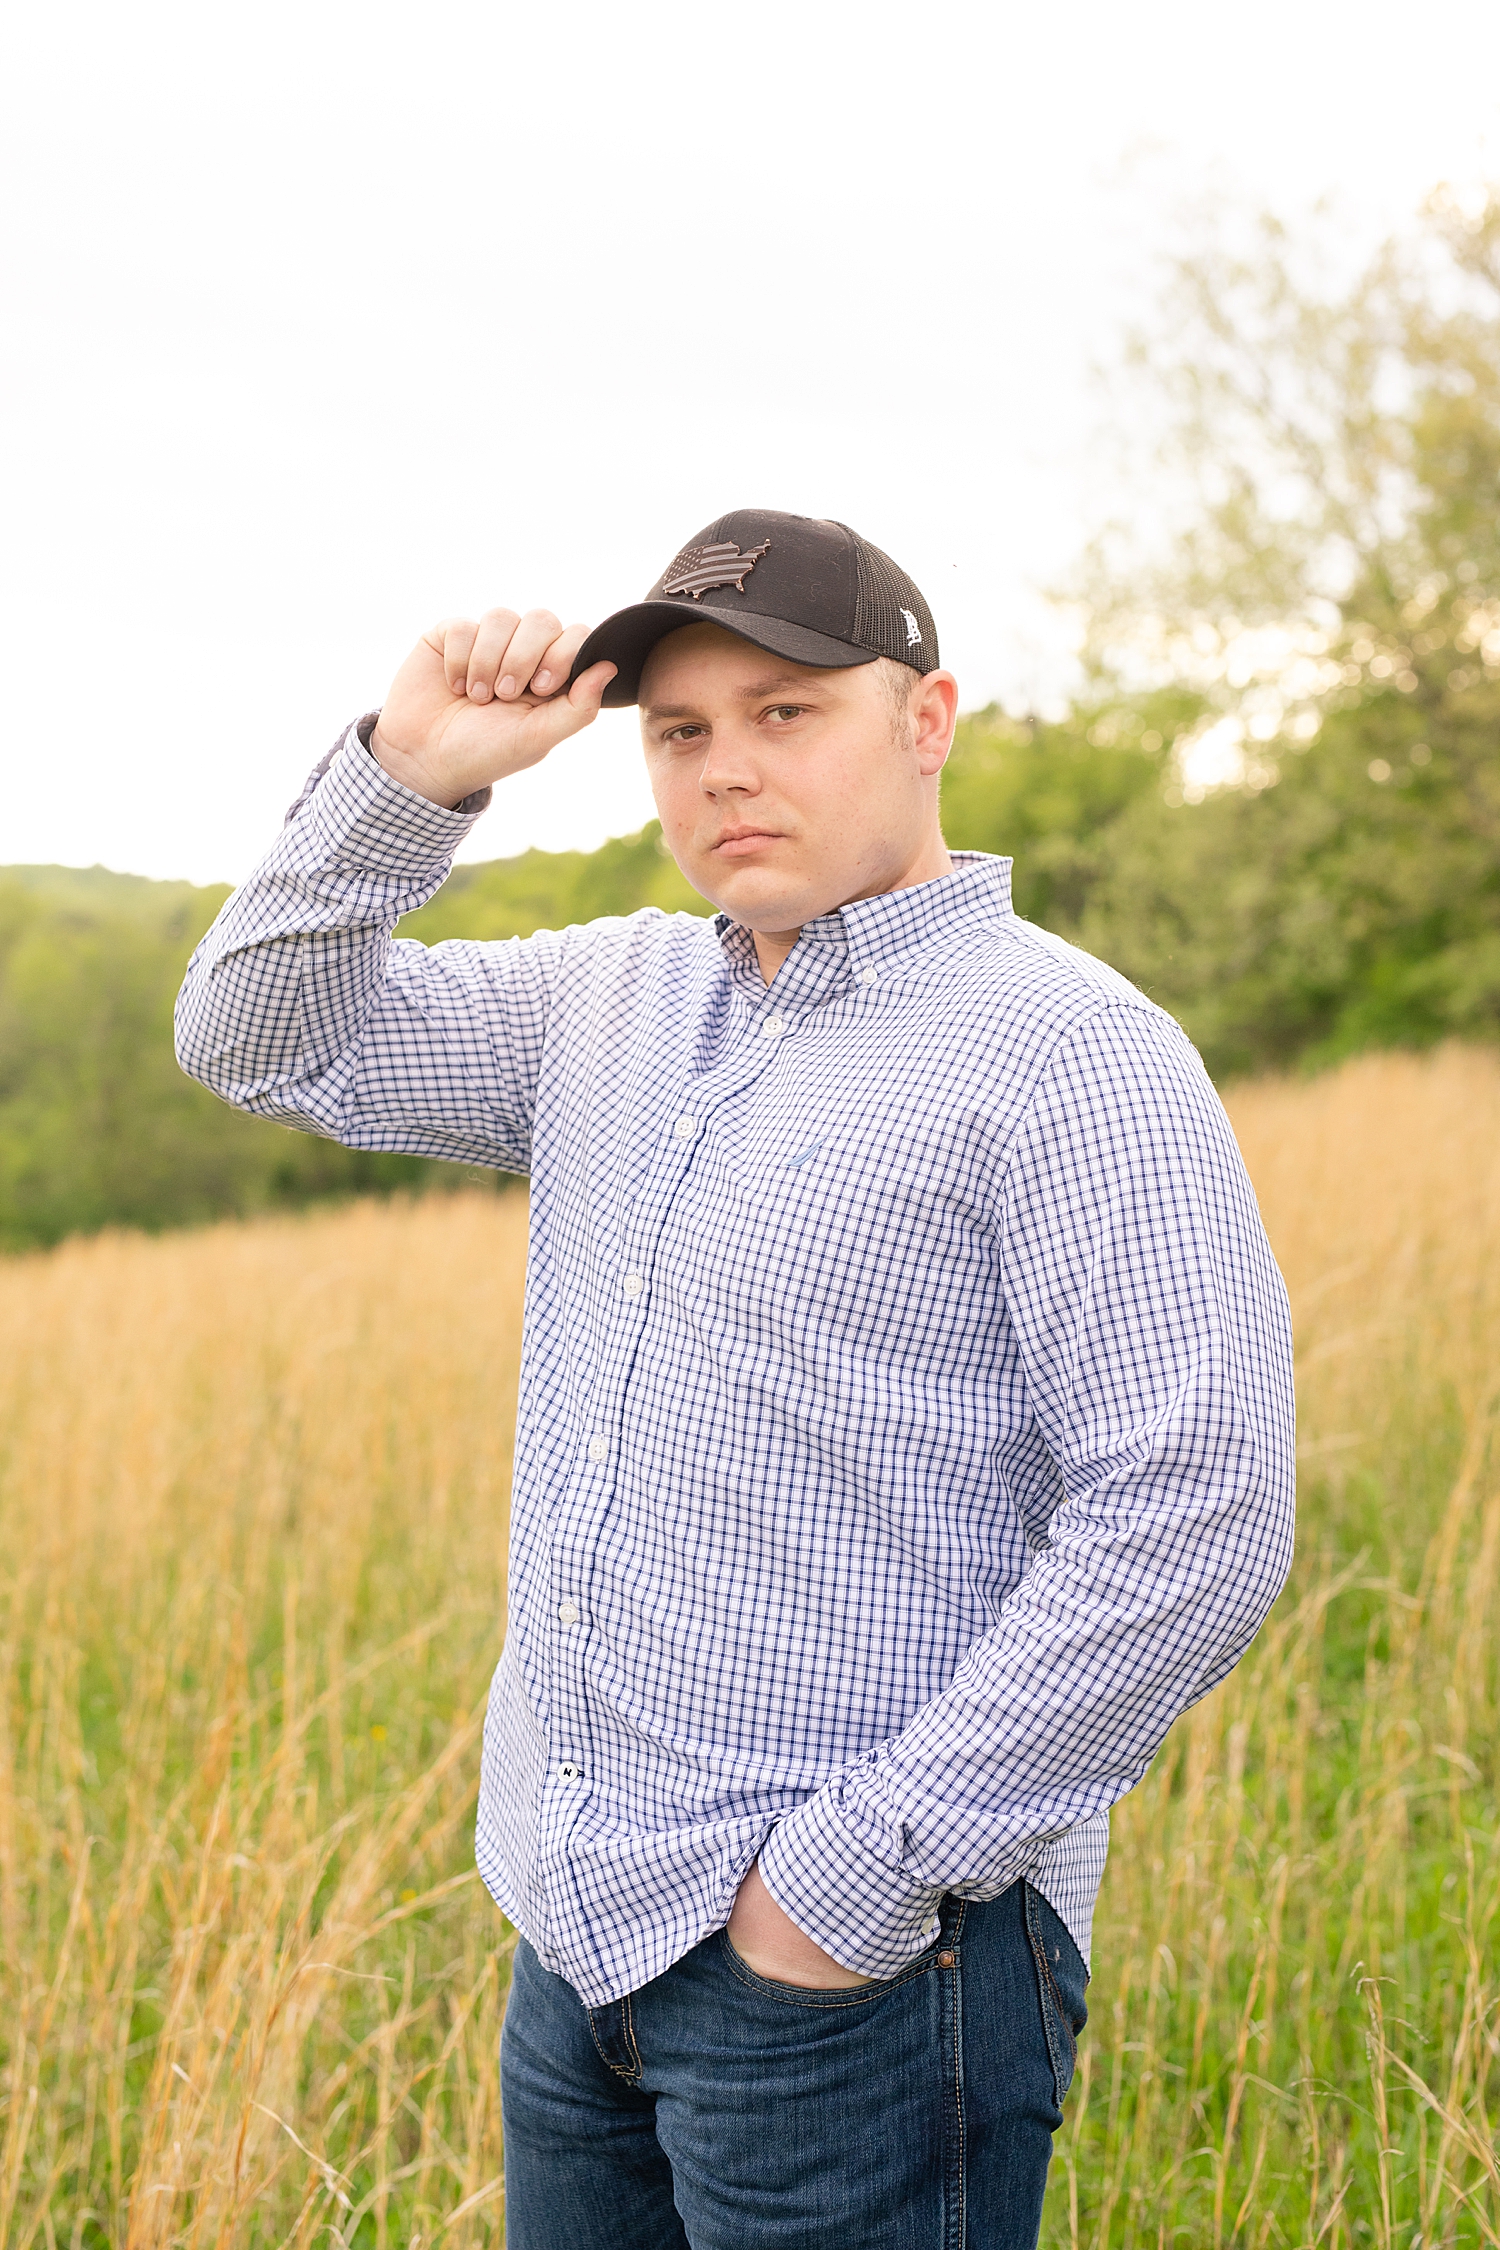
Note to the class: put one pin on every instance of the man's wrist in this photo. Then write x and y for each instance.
(837, 1873)
(352, 811)
(467, 807)
(410, 772)
(769, 1941)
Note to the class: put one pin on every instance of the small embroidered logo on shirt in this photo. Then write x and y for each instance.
(913, 629)
(803, 1155)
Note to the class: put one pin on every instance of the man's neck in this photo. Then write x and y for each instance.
(773, 946)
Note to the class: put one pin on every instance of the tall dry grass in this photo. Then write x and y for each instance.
(252, 1496)
(254, 1504)
(1296, 2033)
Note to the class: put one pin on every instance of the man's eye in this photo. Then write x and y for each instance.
(786, 711)
(685, 734)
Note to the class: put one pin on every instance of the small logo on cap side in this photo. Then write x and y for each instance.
(697, 569)
(913, 629)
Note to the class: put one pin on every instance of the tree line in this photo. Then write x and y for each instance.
(1275, 804)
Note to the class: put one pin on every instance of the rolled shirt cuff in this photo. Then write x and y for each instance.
(836, 1868)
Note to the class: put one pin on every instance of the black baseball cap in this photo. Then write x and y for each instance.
(800, 586)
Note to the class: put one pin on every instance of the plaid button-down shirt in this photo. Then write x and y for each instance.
(905, 1427)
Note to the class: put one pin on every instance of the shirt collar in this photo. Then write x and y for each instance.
(874, 933)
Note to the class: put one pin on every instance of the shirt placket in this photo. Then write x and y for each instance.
(593, 1483)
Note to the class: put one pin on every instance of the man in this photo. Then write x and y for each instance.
(905, 1431)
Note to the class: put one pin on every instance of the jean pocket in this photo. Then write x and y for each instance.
(1061, 1978)
(821, 1995)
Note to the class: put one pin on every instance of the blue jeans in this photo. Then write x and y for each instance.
(716, 2110)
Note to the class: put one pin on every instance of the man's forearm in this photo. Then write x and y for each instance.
(1044, 1726)
(278, 990)
(1156, 1343)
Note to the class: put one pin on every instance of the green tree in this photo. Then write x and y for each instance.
(1331, 595)
(98, 1126)
(503, 898)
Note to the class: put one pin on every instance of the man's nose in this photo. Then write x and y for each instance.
(724, 770)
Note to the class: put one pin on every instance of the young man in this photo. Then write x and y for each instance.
(905, 1431)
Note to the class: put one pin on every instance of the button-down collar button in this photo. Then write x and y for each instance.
(567, 1771)
(633, 1284)
(773, 1027)
(567, 1613)
(869, 976)
(685, 1128)
(598, 1448)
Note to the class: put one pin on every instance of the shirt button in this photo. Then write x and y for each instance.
(634, 1283)
(598, 1448)
(567, 1771)
(773, 1027)
(869, 976)
(685, 1128)
(567, 1613)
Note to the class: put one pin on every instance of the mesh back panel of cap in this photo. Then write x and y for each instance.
(884, 592)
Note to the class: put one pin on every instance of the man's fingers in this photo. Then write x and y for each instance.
(551, 675)
(549, 720)
(457, 736)
(528, 644)
(507, 655)
(508, 650)
(455, 638)
(492, 639)
(587, 691)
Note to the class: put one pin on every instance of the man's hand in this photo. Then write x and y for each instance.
(770, 1943)
(475, 702)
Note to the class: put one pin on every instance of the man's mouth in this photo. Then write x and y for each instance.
(734, 843)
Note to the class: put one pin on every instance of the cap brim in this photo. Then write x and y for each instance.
(627, 639)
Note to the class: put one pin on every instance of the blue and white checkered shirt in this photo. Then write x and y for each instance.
(905, 1426)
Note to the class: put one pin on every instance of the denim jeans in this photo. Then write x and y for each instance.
(716, 2110)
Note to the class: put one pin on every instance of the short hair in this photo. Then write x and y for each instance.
(897, 680)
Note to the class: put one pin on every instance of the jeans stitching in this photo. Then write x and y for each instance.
(628, 2015)
(1054, 2013)
(821, 1996)
(629, 2077)
(1064, 2012)
(961, 2234)
(1065, 2022)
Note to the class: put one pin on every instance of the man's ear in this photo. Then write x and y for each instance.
(934, 711)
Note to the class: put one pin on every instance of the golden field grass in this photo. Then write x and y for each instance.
(252, 1500)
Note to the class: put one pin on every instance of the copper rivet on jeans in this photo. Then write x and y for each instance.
(945, 1960)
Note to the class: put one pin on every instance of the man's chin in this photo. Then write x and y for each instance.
(752, 895)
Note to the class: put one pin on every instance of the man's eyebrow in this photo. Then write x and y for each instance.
(773, 680)
(746, 694)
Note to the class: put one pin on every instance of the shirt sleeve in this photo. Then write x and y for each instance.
(1156, 1345)
(300, 1005)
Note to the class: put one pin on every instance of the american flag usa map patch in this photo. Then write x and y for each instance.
(697, 569)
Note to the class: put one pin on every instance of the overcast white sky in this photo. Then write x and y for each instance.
(326, 320)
